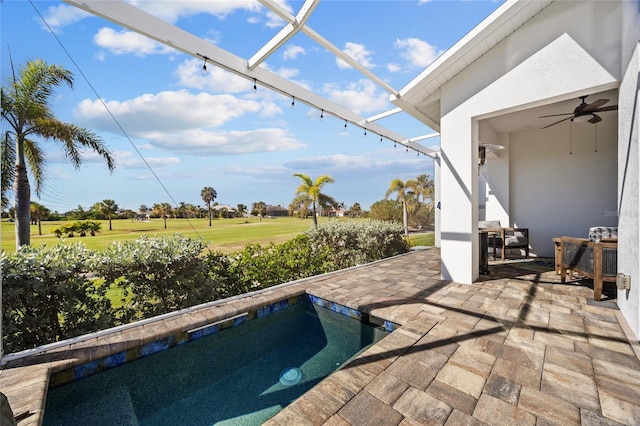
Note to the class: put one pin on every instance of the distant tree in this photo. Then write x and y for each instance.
(26, 110)
(309, 192)
(129, 214)
(355, 210)
(386, 210)
(403, 194)
(208, 195)
(38, 212)
(259, 208)
(163, 210)
(143, 209)
(241, 209)
(78, 213)
(108, 208)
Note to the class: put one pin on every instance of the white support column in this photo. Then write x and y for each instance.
(459, 198)
(437, 184)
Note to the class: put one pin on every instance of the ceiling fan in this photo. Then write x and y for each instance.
(584, 112)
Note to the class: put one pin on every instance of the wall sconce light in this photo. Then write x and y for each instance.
(482, 155)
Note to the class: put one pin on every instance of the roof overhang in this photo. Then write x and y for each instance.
(421, 97)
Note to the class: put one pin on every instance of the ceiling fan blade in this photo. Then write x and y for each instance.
(556, 115)
(594, 105)
(607, 108)
(553, 124)
(595, 119)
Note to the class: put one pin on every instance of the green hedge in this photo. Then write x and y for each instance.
(54, 293)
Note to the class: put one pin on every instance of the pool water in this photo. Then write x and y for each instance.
(243, 375)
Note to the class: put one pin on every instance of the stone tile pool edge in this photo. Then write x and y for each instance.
(26, 376)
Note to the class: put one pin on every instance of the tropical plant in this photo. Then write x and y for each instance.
(309, 193)
(208, 195)
(163, 210)
(108, 208)
(423, 187)
(38, 212)
(404, 193)
(25, 107)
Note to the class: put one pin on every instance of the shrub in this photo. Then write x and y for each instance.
(259, 266)
(48, 296)
(69, 229)
(156, 275)
(353, 243)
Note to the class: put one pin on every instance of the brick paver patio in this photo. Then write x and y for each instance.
(517, 347)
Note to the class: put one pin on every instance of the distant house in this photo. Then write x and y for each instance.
(230, 211)
(277, 211)
(338, 213)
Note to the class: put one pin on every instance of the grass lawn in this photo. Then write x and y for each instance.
(225, 235)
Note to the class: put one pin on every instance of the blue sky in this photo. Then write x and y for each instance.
(197, 129)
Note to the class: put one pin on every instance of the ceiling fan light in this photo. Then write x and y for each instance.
(582, 118)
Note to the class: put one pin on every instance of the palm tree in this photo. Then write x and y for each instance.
(424, 187)
(25, 106)
(309, 192)
(108, 208)
(163, 210)
(38, 211)
(208, 194)
(404, 192)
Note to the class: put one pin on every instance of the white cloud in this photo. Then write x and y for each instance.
(175, 10)
(419, 53)
(127, 42)
(206, 142)
(393, 67)
(129, 160)
(60, 16)
(273, 20)
(358, 52)
(292, 52)
(255, 170)
(359, 165)
(165, 111)
(362, 96)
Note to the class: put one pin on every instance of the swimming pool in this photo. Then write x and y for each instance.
(240, 375)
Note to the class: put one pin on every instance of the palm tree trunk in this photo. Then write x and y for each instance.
(315, 216)
(209, 214)
(405, 217)
(110, 223)
(22, 192)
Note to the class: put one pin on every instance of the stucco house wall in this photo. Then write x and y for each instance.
(550, 58)
(629, 167)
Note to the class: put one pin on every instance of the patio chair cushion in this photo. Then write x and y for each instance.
(515, 241)
(596, 233)
(489, 224)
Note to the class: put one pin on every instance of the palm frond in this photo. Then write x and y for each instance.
(36, 161)
(7, 167)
